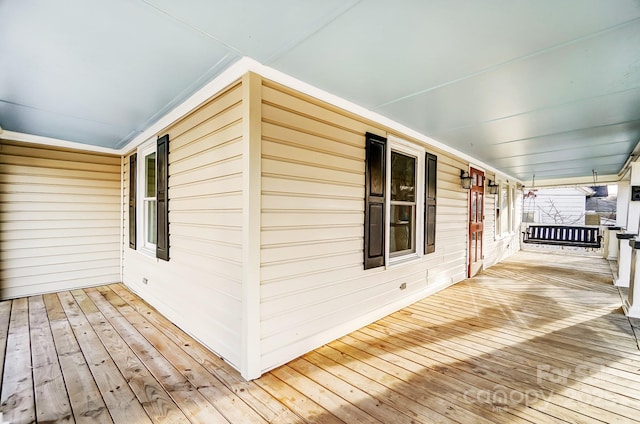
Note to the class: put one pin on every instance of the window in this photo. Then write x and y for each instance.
(148, 187)
(403, 205)
(505, 210)
(512, 210)
(149, 216)
(504, 207)
(400, 201)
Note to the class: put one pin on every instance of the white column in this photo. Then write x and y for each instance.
(624, 260)
(622, 206)
(631, 225)
(631, 305)
(611, 243)
(633, 212)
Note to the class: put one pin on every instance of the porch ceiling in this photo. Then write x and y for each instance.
(550, 88)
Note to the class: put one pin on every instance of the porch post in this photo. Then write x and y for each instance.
(611, 243)
(622, 204)
(624, 260)
(632, 220)
(631, 305)
(633, 208)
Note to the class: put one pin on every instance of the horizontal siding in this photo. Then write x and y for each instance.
(558, 206)
(313, 281)
(448, 264)
(499, 246)
(59, 217)
(199, 288)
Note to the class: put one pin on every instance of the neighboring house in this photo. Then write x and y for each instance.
(264, 222)
(562, 206)
(604, 204)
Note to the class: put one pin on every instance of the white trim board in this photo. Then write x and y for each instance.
(55, 142)
(233, 73)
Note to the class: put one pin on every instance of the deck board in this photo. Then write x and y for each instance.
(225, 401)
(120, 400)
(263, 403)
(149, 392)
(86, 401)
(18, 403)
(539, 338)
(5, 316)
(51, 397)
(185, 395)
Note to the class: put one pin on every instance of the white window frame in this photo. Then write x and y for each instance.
(143, 151)
(512, 209)
(406, 148)
(509, 209)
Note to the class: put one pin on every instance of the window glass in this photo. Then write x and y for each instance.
(474, 202)
(149, 207)
(504, 209)
(150, 175)
(474, 247)
(403, 177)
(403, 204)
(402, 224)
(512, 209)
(151, 224)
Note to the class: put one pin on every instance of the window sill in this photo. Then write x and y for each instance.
(148, 253)
(405, 259)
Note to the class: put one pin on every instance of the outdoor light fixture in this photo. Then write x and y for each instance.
(493, 187)
(465, 179)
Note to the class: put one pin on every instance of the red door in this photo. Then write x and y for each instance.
(476, 221)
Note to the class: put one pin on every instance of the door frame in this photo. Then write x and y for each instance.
(476, 217)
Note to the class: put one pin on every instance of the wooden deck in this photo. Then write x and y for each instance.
(539, 338)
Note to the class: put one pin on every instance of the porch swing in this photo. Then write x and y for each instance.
(560, 235)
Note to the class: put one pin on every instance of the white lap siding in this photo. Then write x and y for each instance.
(283, 245)
(314, 287)
(199, 288)
(59, 219)
(266, 225)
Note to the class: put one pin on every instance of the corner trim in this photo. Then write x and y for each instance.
(251, 348)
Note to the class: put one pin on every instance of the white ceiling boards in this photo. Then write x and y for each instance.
(542, 87)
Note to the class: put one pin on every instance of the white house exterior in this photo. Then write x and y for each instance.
(562, 206)
(267, 206)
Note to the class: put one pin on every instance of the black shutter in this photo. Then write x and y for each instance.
(133, 172)
(162, 200)
(374, 208)
(430, 176)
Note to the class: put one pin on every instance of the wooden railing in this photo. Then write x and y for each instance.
(563, 235)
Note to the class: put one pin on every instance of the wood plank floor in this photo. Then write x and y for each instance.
(539, 338)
